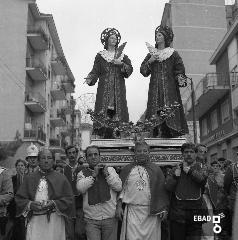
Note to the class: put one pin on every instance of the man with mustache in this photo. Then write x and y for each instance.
(46, 199)
(99, 186)
(144, 197)
(186, 184)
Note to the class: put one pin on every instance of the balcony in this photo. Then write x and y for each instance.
(208, 91)
(58, 66)
(65, 130)
(58, 91)
(65, 106)
(58, 118)
(36, 69)
(35, 102)
(37, 38)
(34, 134)
(68, 85)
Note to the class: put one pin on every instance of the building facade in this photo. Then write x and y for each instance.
(198, 27)
(217, 99)
(36, 82)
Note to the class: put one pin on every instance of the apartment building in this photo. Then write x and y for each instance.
(36, 82)
(198, 26)
(216, 103)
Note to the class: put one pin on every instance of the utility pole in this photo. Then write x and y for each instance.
(193, 110)
(72, 105)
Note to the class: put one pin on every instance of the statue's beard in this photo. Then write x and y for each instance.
(142, 158)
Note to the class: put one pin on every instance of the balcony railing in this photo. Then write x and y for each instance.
(57, 85)
(61, 114)
(212, 81)
(31, 63)
(211, 88)
(57, 59)
(35, 133)
(35, 97)
(58, 66)
(234, 78)
(66, 106)
(37, 30)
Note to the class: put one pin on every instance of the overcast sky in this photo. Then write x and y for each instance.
(80, 23)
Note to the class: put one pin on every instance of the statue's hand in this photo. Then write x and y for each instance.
(117, 62)
(182, 81)
(152, 59)
(88, 80)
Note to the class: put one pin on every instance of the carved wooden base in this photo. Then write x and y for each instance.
(116, 152)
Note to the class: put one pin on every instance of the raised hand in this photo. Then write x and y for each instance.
(152, 59)
(177, 171)
(186, 168)
(88, 80)
(117, 62)
(105, 171)
(163, 215)
(96, 171)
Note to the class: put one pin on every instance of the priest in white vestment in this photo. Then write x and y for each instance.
(45, 198)
(144, 197)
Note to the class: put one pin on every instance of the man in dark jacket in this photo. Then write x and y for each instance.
(74, 227)
(231, 184)
(186, 184)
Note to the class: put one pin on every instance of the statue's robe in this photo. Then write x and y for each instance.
(111, 92)
(164, 90)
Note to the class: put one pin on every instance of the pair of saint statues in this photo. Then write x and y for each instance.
(167, 72)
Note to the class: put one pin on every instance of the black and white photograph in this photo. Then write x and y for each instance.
(119, 120)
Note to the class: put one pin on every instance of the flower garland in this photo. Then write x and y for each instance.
(127, 129)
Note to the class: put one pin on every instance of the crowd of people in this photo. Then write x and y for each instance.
(92, 201)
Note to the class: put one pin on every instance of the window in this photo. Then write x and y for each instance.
(204, 127)
(214, 121)
(234, 76)
(225, 111)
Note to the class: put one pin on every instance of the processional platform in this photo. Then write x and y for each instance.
(119, 152)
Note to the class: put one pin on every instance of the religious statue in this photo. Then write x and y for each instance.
(111, 67)
(167, 72)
